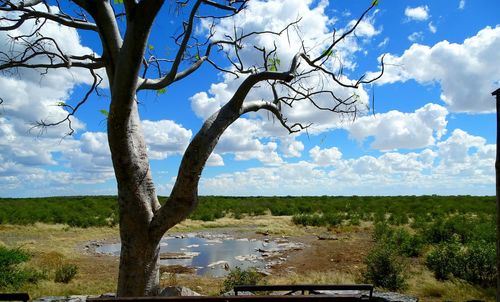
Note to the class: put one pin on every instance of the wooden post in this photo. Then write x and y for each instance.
(497, 189)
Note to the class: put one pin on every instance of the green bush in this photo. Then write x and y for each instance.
(382, 232)
(12, 276)
(65, 273)
(474, 262)
(443, 259)
(406, 244)
(477, 264)
(238, 276)
(384, 268)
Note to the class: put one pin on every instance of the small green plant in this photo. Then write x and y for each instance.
(238, 276)
(65, 273)
(384, 268)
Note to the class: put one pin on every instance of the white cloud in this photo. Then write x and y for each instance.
(365, 28)
(464, 71)
(416, 36)
(215, 160)
(165, 138)
(424, 172)
(432, 28)
(314, 30)
(383, 43)
(461, 4)
(397, 130)
(290, 147)
(325, 157)
(419, 13)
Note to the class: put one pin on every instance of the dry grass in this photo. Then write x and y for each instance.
(427, 288)
(209, 286)
(53, 245)
(312, 278)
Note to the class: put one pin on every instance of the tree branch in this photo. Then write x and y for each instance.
(72, 110)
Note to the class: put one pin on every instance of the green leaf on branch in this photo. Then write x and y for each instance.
(151, 47)
(61, 104)
(161, 91)
(375, 2)
(197, 57)
(104, 112)
(118, 1)
(273, 64)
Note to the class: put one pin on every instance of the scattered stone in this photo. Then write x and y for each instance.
(251, 258)
(221, 263)
(231, 293)
(183, 255)
(62, 299)
(177, 291)
(327, 237)
(392, 297)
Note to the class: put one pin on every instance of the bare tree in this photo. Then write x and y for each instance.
(124, 27)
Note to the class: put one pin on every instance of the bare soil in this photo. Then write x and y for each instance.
(344, 255)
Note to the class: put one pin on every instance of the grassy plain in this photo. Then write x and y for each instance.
(353, 220)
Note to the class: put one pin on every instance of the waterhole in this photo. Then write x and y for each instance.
(215, 255)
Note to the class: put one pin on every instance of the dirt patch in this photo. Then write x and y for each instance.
(344, 255)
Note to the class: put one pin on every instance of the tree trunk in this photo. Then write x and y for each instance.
(496, 93)
(138, 273)
(139, 266)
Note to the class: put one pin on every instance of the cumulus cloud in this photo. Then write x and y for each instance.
(325, 157)
(257, 135)
(424, 172)
(242, 140)
(419, 13)
(165, 137)
(398, 130)
(464, 71)
(461, 4)
(365, 28)
(215, 160)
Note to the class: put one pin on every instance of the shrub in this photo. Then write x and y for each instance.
(65, 273)
(405, 243)
(11, 275)
(308, 219)
(384, 268)
(442, 260)
(474, 263)
(477, 264)
(238, 276)
(333, 219)
(382, 231)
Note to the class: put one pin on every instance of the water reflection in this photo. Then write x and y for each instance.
(210, 256)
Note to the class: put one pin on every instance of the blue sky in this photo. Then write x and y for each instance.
(431, 131)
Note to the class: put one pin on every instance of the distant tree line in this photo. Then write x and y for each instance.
(87, 211)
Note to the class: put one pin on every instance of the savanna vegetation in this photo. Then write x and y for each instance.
(450, 237)
(89, 211)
